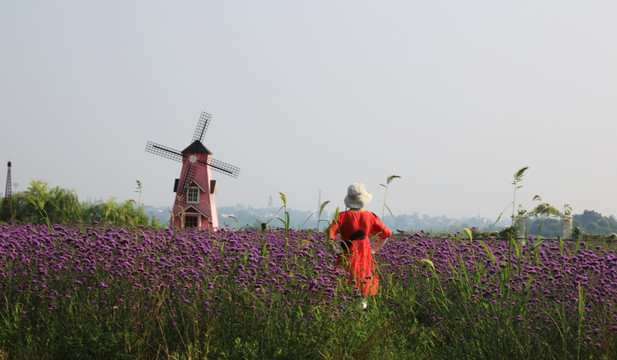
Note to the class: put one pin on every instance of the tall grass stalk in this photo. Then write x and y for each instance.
(518, 177)
(385, 195)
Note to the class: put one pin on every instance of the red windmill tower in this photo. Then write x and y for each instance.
(195, 189)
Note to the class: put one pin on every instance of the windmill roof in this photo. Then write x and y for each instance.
(193, 208)
(196, 148)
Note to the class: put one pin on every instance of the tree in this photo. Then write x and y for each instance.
(544, 211)
(63, 206)
(42, 204)
(125, 214)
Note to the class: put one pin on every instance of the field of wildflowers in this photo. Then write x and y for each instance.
(140, 293)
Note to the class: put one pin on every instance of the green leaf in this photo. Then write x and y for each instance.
(334, 218)
(323, 205)
(489, 252)
(308, 218)
(518, 176)
(468, 232)
(233, 217)
(501, 214)
(392, 177)
(387, 207)
(429, 262)
(284, 198)
(581, 302)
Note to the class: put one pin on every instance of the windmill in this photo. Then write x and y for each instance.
(194, 205)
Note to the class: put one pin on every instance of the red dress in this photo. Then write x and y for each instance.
(354, 228)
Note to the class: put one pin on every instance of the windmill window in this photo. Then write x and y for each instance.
(192, 195)
(190, 221)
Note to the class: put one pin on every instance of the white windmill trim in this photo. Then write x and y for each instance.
(196, 183)
(197, 211)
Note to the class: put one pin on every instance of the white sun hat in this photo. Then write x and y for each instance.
(357, 196)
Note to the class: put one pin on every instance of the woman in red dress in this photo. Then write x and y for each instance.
(354, 226)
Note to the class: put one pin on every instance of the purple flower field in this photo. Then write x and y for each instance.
(145, 293)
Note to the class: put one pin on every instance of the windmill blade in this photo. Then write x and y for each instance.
(202, 126)
(187, 177)
(222, 167)
(164, 151)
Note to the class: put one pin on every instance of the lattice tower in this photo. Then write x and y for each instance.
(7, 193)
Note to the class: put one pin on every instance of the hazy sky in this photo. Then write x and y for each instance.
(453, 96)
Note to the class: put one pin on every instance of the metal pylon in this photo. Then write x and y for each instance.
(8, 193)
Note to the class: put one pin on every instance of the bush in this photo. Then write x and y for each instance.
(42, 204)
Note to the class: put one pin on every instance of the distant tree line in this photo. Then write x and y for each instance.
(247, 216)
(42, 204)
(588, 223)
